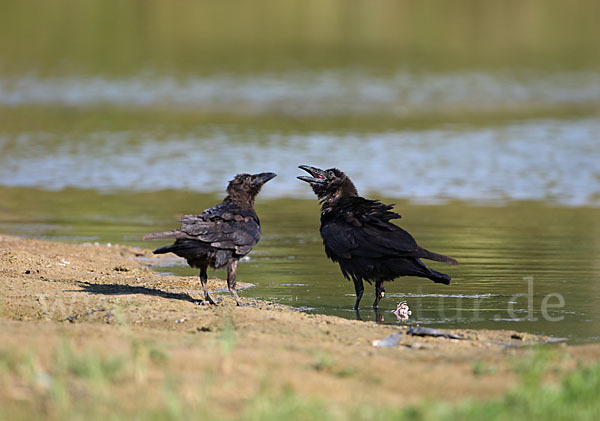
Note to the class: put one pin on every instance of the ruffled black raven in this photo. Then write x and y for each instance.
(357, 234)
(221, 235)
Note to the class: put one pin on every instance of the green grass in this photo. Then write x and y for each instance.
(86, 385)
(574, 397)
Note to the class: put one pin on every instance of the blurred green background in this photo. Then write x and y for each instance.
(185, 37)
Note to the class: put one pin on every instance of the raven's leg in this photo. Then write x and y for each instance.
(378, 316)
(379, 293)
(231, 272)
(357, 314)
(204, 280)
(360, 289)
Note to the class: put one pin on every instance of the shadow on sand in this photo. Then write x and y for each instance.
(118, 289)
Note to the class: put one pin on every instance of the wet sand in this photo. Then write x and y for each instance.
(103, 299)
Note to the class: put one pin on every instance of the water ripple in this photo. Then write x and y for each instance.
(555, 160)
(313, 93)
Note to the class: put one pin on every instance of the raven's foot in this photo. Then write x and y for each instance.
(208, 300)
(238, 301)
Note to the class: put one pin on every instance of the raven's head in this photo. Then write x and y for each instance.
(244, 187)
(330, 184)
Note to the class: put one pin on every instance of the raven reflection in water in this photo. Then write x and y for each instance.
(221, 235)
(358, 235)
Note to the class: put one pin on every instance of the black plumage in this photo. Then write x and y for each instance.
(221, 235)
(358, 234)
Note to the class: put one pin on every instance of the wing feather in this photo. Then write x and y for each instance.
(224, 226)
(363, 228)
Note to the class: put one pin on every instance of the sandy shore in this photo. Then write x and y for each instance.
(103, 299)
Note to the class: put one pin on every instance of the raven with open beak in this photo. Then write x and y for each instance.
(358, 235)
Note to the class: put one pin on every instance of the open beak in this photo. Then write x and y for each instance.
(317, 175)
(263, 177)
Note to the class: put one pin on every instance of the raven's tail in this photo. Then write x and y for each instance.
(183, 247)
(163, 250)
(426, 254)
(437, 277)
(173, 248)
(166, 234)
(420, 269)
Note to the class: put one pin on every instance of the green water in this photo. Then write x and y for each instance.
(479, 119)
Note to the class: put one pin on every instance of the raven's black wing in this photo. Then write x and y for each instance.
(224, 226)
(361, 227)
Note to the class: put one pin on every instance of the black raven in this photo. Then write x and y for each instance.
(221, 235)
(357, 233)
